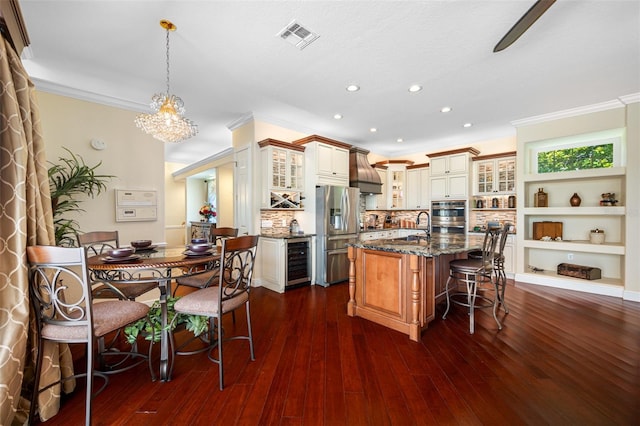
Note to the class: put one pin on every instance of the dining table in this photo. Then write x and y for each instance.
(160, 264)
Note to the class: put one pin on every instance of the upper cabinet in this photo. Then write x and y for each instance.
(450, 173)
(494, 174)
(418, 187)
(330, 159)
(394, 185)
(455, 164)
(282, 174)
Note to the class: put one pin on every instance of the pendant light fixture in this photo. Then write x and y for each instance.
(167, 123)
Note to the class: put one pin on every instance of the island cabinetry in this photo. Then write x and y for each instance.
(282, 174)
(418, 196)
(329, 159)
(449, 171)
(391, 289)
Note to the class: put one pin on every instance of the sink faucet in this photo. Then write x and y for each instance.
(428, 230)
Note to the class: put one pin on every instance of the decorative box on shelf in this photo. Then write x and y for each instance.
(547, 229)
(579, 271)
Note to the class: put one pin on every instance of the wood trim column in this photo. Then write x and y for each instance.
(351, 305)
(414, 326)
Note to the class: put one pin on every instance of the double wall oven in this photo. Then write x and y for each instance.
(448, 217)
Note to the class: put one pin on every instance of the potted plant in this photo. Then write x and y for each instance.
(68, 179)
(151, 326)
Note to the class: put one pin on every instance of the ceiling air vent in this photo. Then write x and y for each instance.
(298, 35)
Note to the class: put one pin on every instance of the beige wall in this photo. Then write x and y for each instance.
(134, 158)
(632, 266)
(175, 214)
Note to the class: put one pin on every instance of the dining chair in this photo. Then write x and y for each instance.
(205, 279)
(475, 275)
(232, 292)
(60, 294)
(100, 242)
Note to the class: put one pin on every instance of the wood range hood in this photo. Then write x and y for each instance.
(361, 174)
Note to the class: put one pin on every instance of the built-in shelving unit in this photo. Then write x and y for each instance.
(541, 258)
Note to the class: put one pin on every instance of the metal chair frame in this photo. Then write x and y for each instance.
(233, 291)
(477, 276)
(99, 242)
(206, 279)
(59, 289)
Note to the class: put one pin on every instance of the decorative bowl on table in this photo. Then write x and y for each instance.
(199, 248)
(199, 240)
(140, 244)
(120, 252)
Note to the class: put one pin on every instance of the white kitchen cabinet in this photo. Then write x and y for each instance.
(449, 173)
(378, 201)
(577, 222)
(332, 162)
(282, 174)
(327, 161)
(457, 163)
(496, 175)
(449, 187)
(271, 259)
(393, 176)
(509, 256)
(418, 188)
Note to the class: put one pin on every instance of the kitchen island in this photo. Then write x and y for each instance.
(397, 282)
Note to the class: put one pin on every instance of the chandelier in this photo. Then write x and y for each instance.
(167, 123)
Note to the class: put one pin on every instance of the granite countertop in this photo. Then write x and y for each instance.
(284, 235)
(438, 245)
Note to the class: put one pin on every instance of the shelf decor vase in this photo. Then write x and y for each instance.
(575, 200)
(540, 199)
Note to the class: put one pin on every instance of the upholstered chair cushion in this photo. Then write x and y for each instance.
(107, 317)
(205, 302)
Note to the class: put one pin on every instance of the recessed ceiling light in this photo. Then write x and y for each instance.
(337, 116)
(373, 130)
(415, 88)
(353, 88)
(399, 140)
(445, 109)
(467, 125)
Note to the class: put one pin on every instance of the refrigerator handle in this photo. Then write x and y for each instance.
(345, 207)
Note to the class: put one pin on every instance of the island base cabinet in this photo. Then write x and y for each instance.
(392, 289)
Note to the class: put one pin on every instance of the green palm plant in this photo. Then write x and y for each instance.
(68, 179)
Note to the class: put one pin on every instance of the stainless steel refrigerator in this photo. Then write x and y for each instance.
(337, 213)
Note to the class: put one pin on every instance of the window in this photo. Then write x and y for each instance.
(579, 158)
(599, 150)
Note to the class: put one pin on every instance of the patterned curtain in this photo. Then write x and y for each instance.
(25, 219)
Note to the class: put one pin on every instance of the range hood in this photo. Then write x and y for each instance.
(361, 174)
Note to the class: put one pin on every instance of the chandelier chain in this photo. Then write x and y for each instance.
(168, 91)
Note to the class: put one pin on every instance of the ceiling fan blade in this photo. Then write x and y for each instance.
(524, 23)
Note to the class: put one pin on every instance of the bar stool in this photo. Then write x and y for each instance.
(498, 265)
(476, 274)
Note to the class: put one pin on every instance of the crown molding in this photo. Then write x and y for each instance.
(630, 99)
(573, 112)
(204, 163)
(83, 95)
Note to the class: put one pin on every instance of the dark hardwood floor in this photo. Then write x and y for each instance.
(562, 358)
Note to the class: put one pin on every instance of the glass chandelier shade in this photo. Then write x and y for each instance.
(167, 123)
